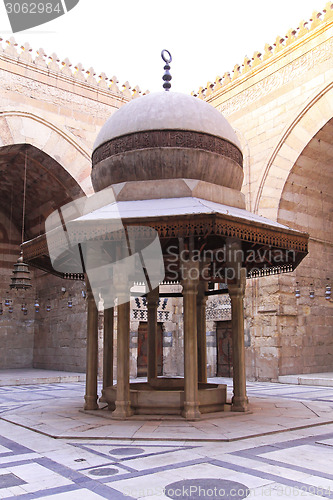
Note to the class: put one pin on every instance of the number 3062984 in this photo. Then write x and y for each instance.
(33, 8)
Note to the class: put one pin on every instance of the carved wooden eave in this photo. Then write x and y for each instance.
(208, 229)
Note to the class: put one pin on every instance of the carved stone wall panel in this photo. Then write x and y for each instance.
(167, 138)
(284, 75)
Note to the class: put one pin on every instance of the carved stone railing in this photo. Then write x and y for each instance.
(281, 42)
(24, 54)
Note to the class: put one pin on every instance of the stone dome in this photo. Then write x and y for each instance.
(166, 111)
(167, 135)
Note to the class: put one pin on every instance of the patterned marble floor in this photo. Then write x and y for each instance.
(297, 463)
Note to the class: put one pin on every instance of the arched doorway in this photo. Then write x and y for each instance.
(28, 340)
(307, 204)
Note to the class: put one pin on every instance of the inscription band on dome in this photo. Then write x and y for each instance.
(167, 138)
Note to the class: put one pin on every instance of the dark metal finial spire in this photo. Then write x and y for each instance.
(167, 58)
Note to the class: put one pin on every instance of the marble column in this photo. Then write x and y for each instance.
(92, 353)
(190, 284)
(236, 292)
(123, 401)
(152, 304)
(201, 326)
(108, 348)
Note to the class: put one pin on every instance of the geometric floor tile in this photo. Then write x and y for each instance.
(104, 465)
(125, 452)
(10, 480)
(103, 471)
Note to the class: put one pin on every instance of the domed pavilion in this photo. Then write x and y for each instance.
(174, 167)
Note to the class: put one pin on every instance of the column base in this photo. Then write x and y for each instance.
(191, 411)
(90, 403)
(239, 404)
(122, 411)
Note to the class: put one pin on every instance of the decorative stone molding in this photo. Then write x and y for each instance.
(51, 64)
(140, 312)
(167, 138)
(219, 309)
(277, 79)
(318, 19)
(142, 315)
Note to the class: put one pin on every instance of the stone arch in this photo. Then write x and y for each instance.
(317, 112)
(48, 186)
(21, 127)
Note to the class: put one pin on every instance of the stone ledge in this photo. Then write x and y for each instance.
(313, 379)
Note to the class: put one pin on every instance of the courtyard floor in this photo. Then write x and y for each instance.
(50, 448)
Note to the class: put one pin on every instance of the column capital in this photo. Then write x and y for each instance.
(189, 272)
(153, 297)
(190, 277)
(238, 289)
(201, 297)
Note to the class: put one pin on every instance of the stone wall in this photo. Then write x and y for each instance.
(60, 334)
(58, 109)
(279, 102)
(16, 329)
(281, 105)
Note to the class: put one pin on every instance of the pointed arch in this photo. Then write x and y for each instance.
(21, 127)
(317, 112)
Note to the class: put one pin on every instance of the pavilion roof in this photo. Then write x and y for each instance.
(175, 218)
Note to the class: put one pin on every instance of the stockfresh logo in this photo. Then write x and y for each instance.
(25, 14)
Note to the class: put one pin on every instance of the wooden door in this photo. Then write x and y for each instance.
(143, 349)
(224, 349)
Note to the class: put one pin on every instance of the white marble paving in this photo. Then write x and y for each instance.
(281, 492)
(82, 494)
(167, 443)
(308, 456)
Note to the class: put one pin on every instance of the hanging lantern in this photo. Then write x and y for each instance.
(297, 291)
(312, 293)
(70, 302)
(328, 291)
(7, 301)
(36, 305)
(24, 309)
(1, 310)
(10, 309)
(20, 279)
(48, 306)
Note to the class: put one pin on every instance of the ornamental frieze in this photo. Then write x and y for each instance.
(278, 79)
(218, 309)
(167, 138)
